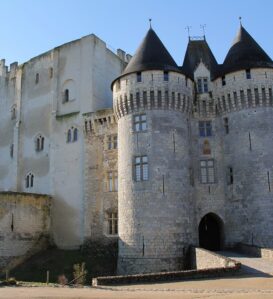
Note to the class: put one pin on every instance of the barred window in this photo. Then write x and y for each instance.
(141, 168)
(140, 122)
(112, 223)
(205, 128)
(112, 181)
(112, 142)
(207, 171)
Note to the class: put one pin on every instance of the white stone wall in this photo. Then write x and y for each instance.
(86, 67)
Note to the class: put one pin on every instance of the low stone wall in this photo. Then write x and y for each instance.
(266, 253)
(205, 259)
(24, 226)
(208, 264)
(165, 276)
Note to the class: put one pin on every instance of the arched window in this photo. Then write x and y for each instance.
(37, 78)
(68, 137)
(206, 148)
(75, 134)
(39, 143)
(72, 135)
(66, 96)
(29, 180)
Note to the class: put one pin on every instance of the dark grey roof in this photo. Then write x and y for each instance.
(150, 55)
(245, 53)
(198, 50)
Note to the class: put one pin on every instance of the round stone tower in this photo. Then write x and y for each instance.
(152, 101)
(243, 93)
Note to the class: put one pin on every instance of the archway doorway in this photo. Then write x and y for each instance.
(211, 232)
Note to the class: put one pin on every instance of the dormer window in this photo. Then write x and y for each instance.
(166, 76)
(248, 74)
(139, 77)
(202, 85)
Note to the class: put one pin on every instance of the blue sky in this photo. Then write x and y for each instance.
(31, 27)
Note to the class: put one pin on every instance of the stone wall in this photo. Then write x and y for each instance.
(266, 253)
(24, 226)
(205, 259)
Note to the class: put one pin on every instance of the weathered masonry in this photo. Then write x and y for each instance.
(175, 155)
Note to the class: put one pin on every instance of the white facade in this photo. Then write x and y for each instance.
(40, 101)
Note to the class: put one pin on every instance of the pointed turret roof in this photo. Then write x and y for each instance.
(245, 53)
(198, 50)
(151, 55)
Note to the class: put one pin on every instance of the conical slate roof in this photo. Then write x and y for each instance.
(151, 55)
(245, 53)
(198, 50)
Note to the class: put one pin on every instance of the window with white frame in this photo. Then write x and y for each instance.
(140, 122)
(112, 181)
(205, 128)
(29, 180)
(202, 85)
(112, 142)
(72, 135)
(112, 223)
(207, 171)
(39, 143)
(141, 168)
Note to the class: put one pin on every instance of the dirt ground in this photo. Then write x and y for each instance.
(240, 287)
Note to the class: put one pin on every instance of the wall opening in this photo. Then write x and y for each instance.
(211, 232)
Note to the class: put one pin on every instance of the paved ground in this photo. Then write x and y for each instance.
(251, 265)
(255, 282)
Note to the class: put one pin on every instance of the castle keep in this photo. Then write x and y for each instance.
(174, 156)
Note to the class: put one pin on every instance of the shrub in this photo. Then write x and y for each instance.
(79, 273)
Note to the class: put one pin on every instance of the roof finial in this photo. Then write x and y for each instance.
(240, 20)
(203, 26)
(188, 29)
(150, 20)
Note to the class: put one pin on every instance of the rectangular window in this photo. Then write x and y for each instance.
(199, 85)
(223, 81)
(229, 175)
(202, 85)
(249, 97)
(256, 94)
(226, 125)
(112, 181)
(159, 98)
(112, 219)
(205, 128)
(144, 98)
(248, 74)
(140, 122)
(141, 168)
(207, 172)
(152, 98)
(11, 150)
(235, 98)
(166, 76)
(139, 77)
(112, 142)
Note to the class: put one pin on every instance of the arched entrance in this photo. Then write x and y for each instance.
(211, 232)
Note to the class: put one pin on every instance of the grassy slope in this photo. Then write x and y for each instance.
(60, 262)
